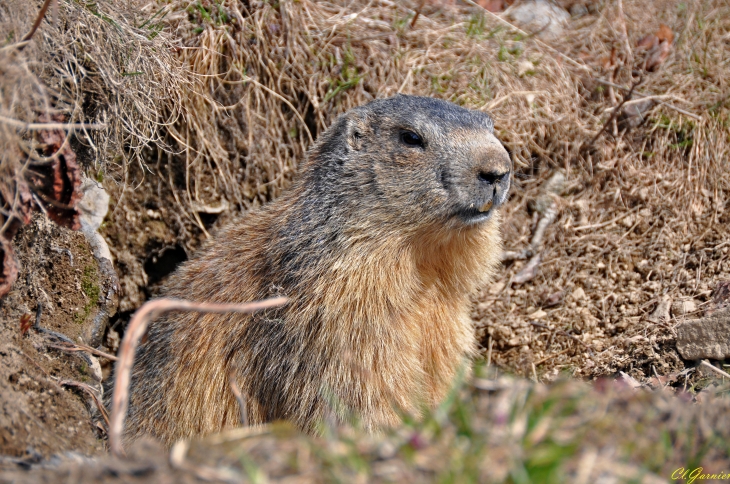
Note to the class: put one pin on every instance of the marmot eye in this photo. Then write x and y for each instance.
(411, 138)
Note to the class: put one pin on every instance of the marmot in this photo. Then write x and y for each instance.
(392, 224)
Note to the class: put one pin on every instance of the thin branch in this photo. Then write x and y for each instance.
(617, 110)
(657, 98)
(529, 271)
(137, 327)
(82, 347)
(564, 333)
(489, 352)
(640, 94)
(39, 126)
(712, 367)
(36, 24)
(606, 224)
(547, 218)
(624, 34)
(90, 391)
(549, 357)
(510, 255)
(418, 13)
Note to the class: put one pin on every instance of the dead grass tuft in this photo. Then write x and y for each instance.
(21, 97)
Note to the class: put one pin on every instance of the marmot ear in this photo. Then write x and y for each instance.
(356, 128)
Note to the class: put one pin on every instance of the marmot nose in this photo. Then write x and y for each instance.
(493, 166)
(492, 177)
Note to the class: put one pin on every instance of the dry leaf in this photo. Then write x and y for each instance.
(647, 42)
(658, 46)
(8, 267)
(610, 61)
(57, 183)
(25, 324)
(657, 56)
(665, 34)
(492, 5)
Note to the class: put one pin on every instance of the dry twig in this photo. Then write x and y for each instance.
(607, 223)
(90, 391)
(564, 333)
(617, 110)
(712, 367)
(529, 271)
(550, 357)
(74, 347)
(651, 96)
(547, 218)
(137, 327)
(36, 24)
(41, 126)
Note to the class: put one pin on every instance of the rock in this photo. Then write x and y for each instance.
(661, 313)
(643, 268)
(95, 371)
(720, 297)
(578, 294)
(539, 314)
(578, 10)
(588, 320)
(552, 187)
(93, 208)
(553, 299)
(540, 16)
(525, 67)
(628, 221)
(496, 288)
(708, 337)
(635, 113)
(682, 308)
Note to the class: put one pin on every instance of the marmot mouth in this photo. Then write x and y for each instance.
(473, 215)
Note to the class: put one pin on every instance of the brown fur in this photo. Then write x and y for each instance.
(378, 259)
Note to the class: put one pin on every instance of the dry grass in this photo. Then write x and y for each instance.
(22, 97)
(80, 87)
(669, 176)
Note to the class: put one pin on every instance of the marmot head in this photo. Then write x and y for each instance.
(413, 161)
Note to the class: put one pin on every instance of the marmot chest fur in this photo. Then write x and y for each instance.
(390, 227)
